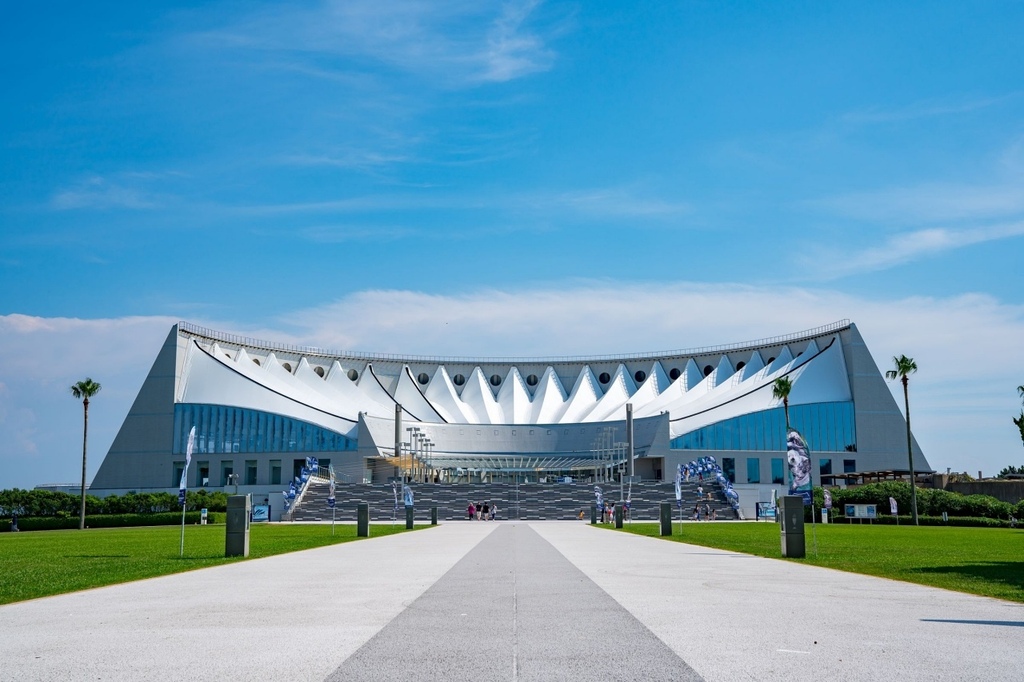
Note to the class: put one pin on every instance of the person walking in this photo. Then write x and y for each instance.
(471, 510)
(494, 511)
(486, 515)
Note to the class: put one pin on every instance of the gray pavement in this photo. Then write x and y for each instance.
(513, 601)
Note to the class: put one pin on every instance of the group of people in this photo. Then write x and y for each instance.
(709, 513)
(482, 511)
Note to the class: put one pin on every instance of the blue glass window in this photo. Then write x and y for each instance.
(778, 475)
(729, 469)
(753, 470)
(827, 427)
(227, 430)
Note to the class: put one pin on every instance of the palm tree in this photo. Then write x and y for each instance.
(780, 391)
(904, 368)
(1020, 392)
(1019, 421)
(84, 390)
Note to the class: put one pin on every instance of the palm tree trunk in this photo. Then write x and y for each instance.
(785, 406)
(910, 454)
(85, 437)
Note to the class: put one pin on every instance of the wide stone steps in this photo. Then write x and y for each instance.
(525, 501)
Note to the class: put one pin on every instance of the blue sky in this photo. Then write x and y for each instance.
(509, 178)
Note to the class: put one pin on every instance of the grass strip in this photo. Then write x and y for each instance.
(984, 561)
(46, 563)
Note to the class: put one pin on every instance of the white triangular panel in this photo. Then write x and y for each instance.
(347, 404)
(722, 372)
(785, 357)
(615, 397)
(242, 356)
(549, 400)
(408, 394)
(370, 386)
(477, 394)
(822, 381)
(656, 382)
(514, 398)
(754, 365)
(442, 395)
(583, 397)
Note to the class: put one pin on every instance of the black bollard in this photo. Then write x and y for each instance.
(666, 519)
(363, 520)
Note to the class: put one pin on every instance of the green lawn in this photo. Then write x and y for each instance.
(43, 563)
(983, 561)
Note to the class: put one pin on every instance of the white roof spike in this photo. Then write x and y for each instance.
(583, 397)
(477, 394)
(242, 356)
(549, 400)
(722, 372)
(657, 382)
(514, 398)
(409, 396)
(443, 396)
(785, 357)
(754, 365)
(615, 396)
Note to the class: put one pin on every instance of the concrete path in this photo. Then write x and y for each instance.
(513, 601)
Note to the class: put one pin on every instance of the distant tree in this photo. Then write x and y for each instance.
(1019, 421)
(780, 391)
(1006, 471)
(1020, 392)
(84, 390)
(904, 367)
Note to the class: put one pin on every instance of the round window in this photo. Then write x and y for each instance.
(319, 371)
(495, 380)
(640, 376)
(708, 369)
(675, 373)
(740, 365)
(458, 379)
(532, 380)
(287, 366)
(604, 378)
(423, 378)
(353, 375)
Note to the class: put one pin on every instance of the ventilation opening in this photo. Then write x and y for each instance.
(458, 379)
(640, 375)
(740, 365)
(771, 359)
(287, 366)
(675, 373)
(353, 375)
(495, 380)
(604, 378)
(319, 371)
(708, 369)
(531, 380)
(423, 378)
(257, 361)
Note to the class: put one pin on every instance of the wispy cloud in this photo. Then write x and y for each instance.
(928, 203)
(922, 109)
(829, 263)
(454, 43)
(99, 193)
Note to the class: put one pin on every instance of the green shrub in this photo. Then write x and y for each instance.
(111, 521)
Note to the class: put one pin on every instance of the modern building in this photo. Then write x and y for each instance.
(260, 408)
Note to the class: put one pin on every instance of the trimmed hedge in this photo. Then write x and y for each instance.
(889, 520)
(111, 521)
(39, 503)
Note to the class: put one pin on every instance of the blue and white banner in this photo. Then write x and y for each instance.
(599, 496)
(330, 495)
(679, 484)
(828, 498)
(893, 507)
(183, 485)
(407, 495)
(799, 456)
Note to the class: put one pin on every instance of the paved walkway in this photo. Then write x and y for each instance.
(513, 601)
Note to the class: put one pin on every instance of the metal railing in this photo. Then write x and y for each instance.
(250, 342)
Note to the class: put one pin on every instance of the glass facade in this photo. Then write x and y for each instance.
(729, 469)
(778, 471)
(753, 470)
(827, 427)
(226, 430)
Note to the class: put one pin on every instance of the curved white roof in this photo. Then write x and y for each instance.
(696, 388)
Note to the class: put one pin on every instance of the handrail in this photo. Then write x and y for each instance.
(250, 342)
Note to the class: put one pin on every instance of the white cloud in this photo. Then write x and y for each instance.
(452, 43)
(922, 109)
(828, 263)
(100, 193)
(929, 203)
(967, 348)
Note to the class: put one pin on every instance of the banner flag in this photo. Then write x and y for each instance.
(799, 456)
(407, 495)
(183, 485)
(330, 495)
(828, 499)
(599, 495)
(679, 483)
(893, 507)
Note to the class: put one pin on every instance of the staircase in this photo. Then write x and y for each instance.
(524, 501)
